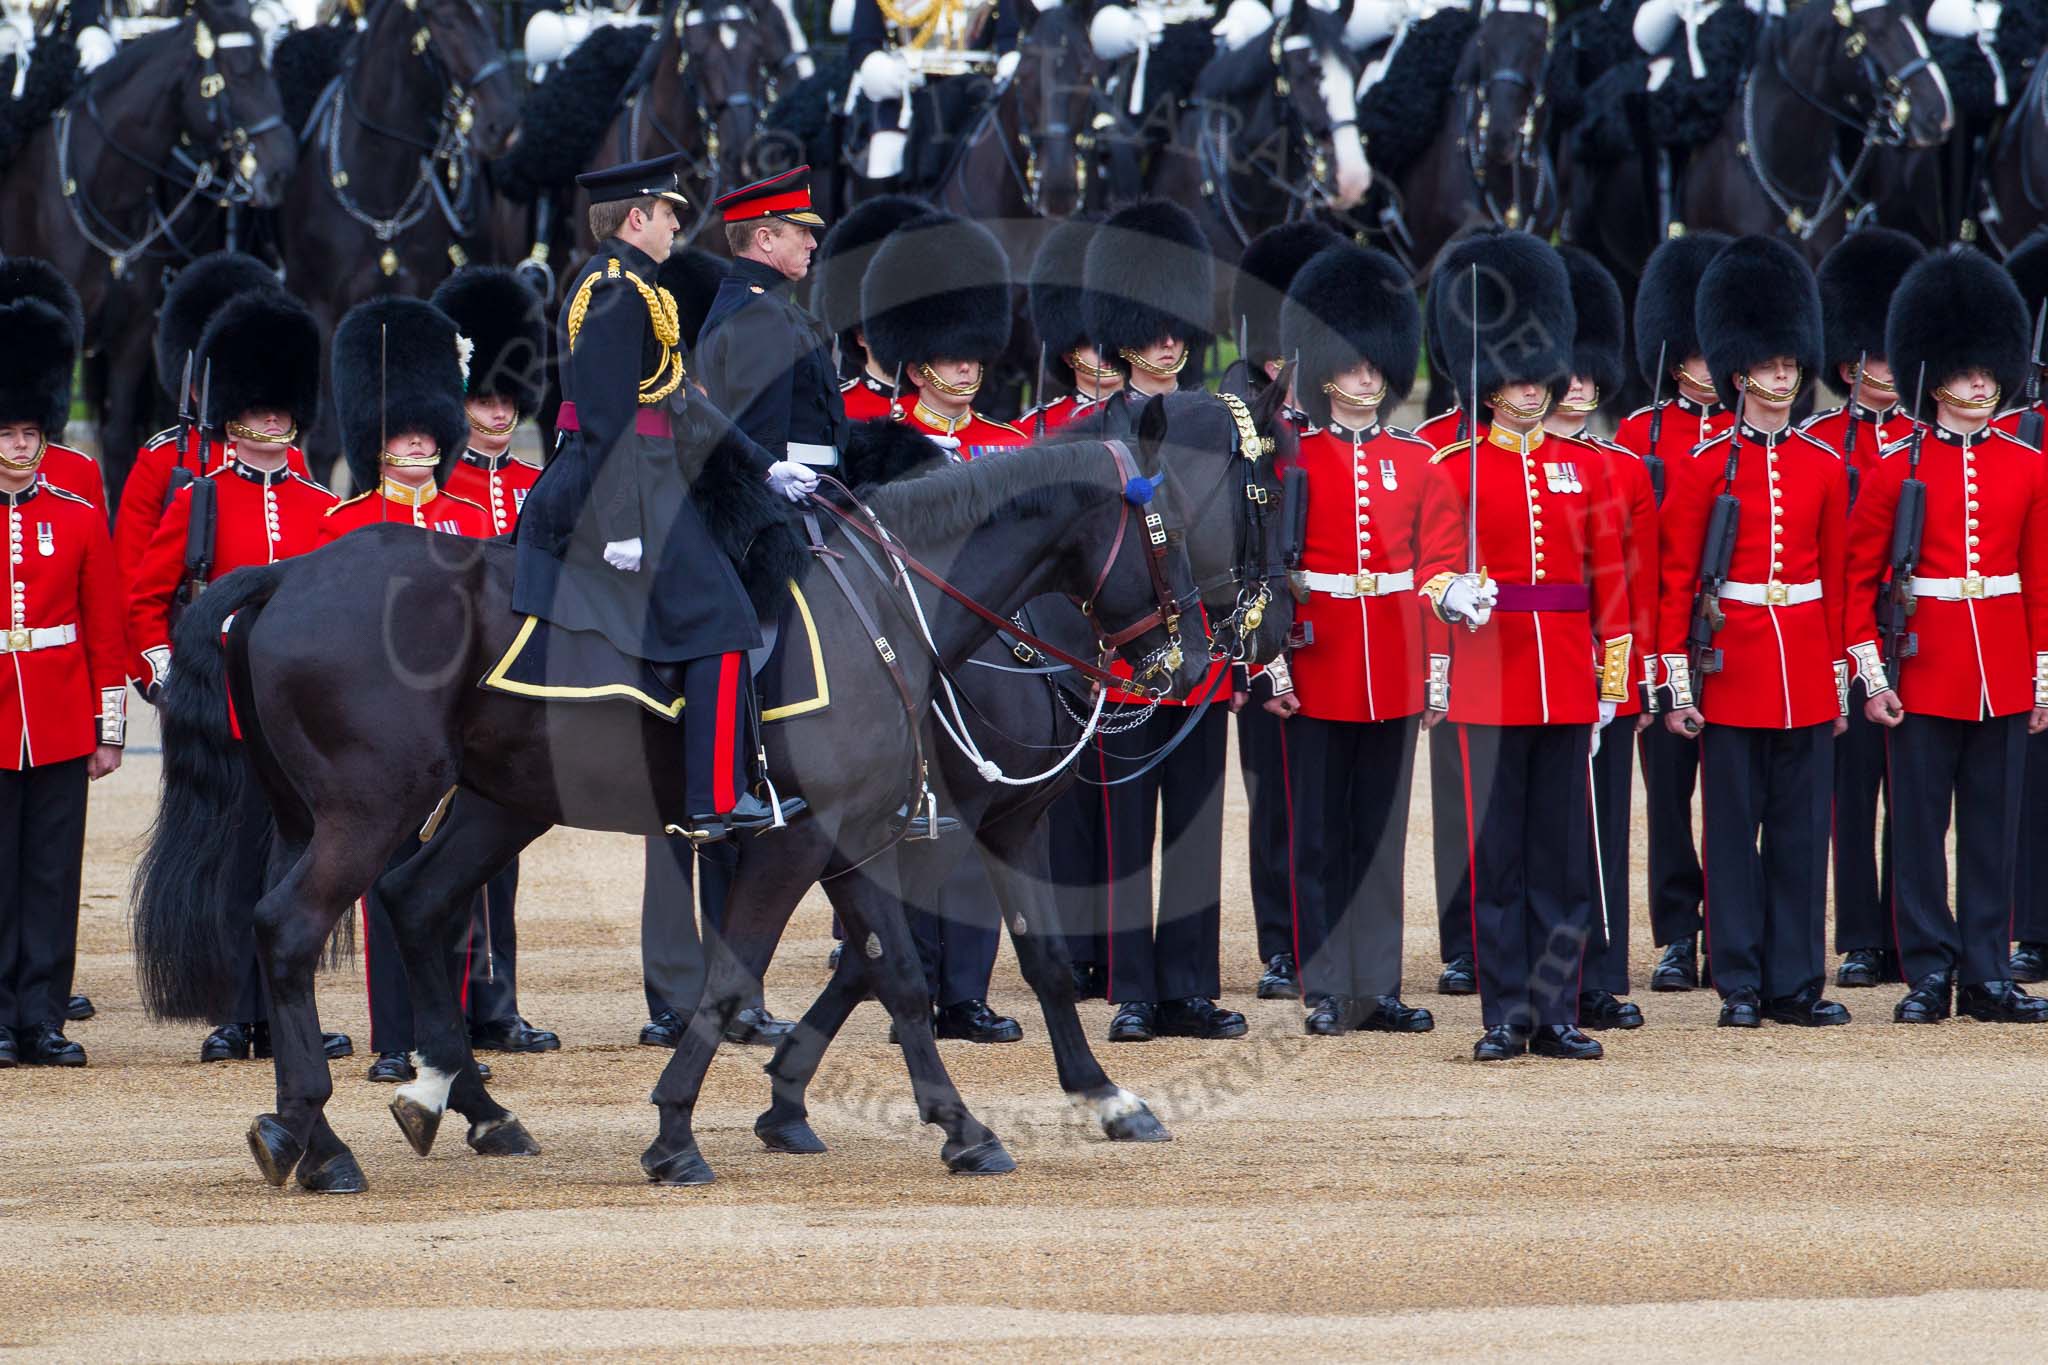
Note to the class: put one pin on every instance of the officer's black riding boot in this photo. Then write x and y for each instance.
(717, 700)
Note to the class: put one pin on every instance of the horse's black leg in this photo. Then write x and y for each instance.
(785, 1125)
(427, 897)
(1019, 866)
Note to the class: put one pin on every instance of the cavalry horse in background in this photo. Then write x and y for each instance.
(389, 182)
(137, 174)
(2011, 200)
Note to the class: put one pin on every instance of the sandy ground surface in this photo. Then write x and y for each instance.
(1872, 1190)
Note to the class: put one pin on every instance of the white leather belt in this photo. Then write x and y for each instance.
(1358, 584)
(28, 641)
(1976, 585)
(1772, 594)
(817, 456)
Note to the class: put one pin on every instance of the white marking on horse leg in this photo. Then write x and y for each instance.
(1117, 1104)
(432, 1087)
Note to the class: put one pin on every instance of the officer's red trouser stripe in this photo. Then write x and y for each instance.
(722, 787)
(1471, 845)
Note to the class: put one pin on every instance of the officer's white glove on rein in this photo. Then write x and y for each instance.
(624, 555)
(794, 481)
(883, 76)
(1467, 598)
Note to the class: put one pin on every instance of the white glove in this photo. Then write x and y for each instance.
(1115, 33)
(1655, 22)
(1006, 67)
(1372, 21)
(1468, 598)
(95, 48)
(794, 481)
(623, 555)
(1244, 22)
(1607, 709)
(884, 76)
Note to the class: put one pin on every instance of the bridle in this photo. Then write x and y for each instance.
(1530, 153)
(1050, 129)
(703, 165)
(1252, 570)
(1300, 141)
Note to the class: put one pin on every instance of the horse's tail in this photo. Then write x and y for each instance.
(192, 909)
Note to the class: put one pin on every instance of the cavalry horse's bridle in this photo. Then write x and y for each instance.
(194, 175)
(1530, 153)
(703, 170)
(1304, 194)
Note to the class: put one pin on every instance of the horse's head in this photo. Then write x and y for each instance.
(1317, 74)
(731, 52)
(1221, 459)
(1501, 84)
(1896, 85)
(1054, 93)
(231, 107)
(456, 37)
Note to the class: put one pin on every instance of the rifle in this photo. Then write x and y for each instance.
(1895, 600)
(199, 539)
(1653, 463)
(1849, 433)
(189, 426)
(1717, 552)
(1038, 397)
(2030, 418)
(1294, 530)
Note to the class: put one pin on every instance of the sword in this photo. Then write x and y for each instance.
(1038, 397)
(205, 402)
(1472, 565)
(383, 359)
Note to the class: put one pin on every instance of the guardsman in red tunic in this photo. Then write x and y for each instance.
(866, 390)
(1666, 330)
(1351, 698)
(1856, 282)
(1627, 501)
(63, 686)
(27, 277)
(1529, 645)
(1053, 295)
(2028, 266)
(1959, 706)
(1771, 712)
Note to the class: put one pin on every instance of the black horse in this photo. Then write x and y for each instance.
(327, 720)
(2012, 200)
(389, 181)
(135, 175)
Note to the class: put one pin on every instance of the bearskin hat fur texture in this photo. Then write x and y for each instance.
(405, 350)
(843, 257)
(1664, 301)
(194, 296)
(1524, 324)
(264, 347)
(1269, 266)
(1350, 303)
(692, 276)
(1602, 338)
(1053, 289)
(40, 328)
(1149, 275)
(938, 288)
(881, 451)
(1857, 279)
(2028, 266)
(1757, 299)
(503, 318)
(1956, 310)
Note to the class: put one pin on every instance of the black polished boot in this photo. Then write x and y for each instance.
(1279, 981)
(390, 1068)
(1679, 968)
(1566, 1042)
(1196, 1017)
(1135, 1022)
(228, 1043)
(1459, 977)
(1861, 967)
(1743, 1008)
(1387, 1014)
(10, 1054)
(46, 1045)
(1605, 1009)
(1929, 1002)
(1499, 1044)
(754, 1026)
(1325, 1017)
(972, 1021)
(2029, 963)
(511, 1035)
(1806, 1009)
(2000, 1002)
(79, 1008)
(663, 1030)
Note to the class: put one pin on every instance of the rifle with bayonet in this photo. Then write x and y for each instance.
(1909, 522)
(191, 464)
(1717, 554)
(1849, 431)
(1653, 463)
(2031, 421)
(1038, 398)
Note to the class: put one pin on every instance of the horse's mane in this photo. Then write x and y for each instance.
(1237, 75)
(305, 61)
(1175, 66)
(954, 500)
(52, 77)
(1402, 114)
(566, 115)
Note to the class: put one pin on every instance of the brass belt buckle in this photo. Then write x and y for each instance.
(1366, 584)
(1973, 586)
(1776, 594)
(18, 641)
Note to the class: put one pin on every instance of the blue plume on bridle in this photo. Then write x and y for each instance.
(1140, 489)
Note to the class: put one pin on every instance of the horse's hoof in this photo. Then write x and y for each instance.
(1137, 1126)
(339, 1174)
(501, 1137)
(687, 1167)
(417, 1122)
(983, 1158)
(793, 1136)
(275, 1149)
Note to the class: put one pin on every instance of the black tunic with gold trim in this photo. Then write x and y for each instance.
(615, 477)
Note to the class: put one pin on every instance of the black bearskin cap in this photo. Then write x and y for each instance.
(1598, 345)
(843, 257)
(1956, 310)
(1525, 322)
(421, 382)
(692, 276)
(1149, 275)
(40, 327)
(265, 349)
(938, 288)
(194, 296)
(1350, 303)
(1053, 290)
(1664, 301)
(881, 451)
(1757, 299)
(502, 317)
(2028, 266)
(1268, 267)
(1857, 279)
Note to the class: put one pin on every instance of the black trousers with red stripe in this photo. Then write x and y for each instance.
(1524, 791)
(1350, 783)
(1450, 843)
(714, 732)
(1262, 760)
(479, 961)
(1976, 769)
(2030, 881)
(42, 856)
(1863, 913)
(1606, 871)
(1671, 767)
(1078, 830)
(1766, 796)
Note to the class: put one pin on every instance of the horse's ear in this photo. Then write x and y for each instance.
(1151, 431)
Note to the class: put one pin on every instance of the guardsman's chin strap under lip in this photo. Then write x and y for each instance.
(504, 430)
(1356, 400)
(1156, 371)
(951, 390)
(28, 465)
(1584, 405)
(255, 437)
(1095, 374)
(1518, 412)
(1943, 395)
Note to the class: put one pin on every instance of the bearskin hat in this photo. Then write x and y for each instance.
(264, 347)
(938, 288)
(842, 261)
(2028, 266)
(41, 325)
(1524, 323)
(194, 296)
(1053, 289)
(1258, 294)
(1598, 345)
(503, 318)
(692, 276)
(1857, 279)
(1148, 275)
(1956, 310)
(1350, 303)
(407, 351)
(1757, 299)
(1664, 301)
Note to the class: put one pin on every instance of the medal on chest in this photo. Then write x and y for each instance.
(46, 544)
(453, 528)
(1389, 479)
(519, 499)
(1562, 477)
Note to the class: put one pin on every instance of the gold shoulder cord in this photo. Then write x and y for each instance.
(1249, 443)
(661, 312)
(921, 26)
